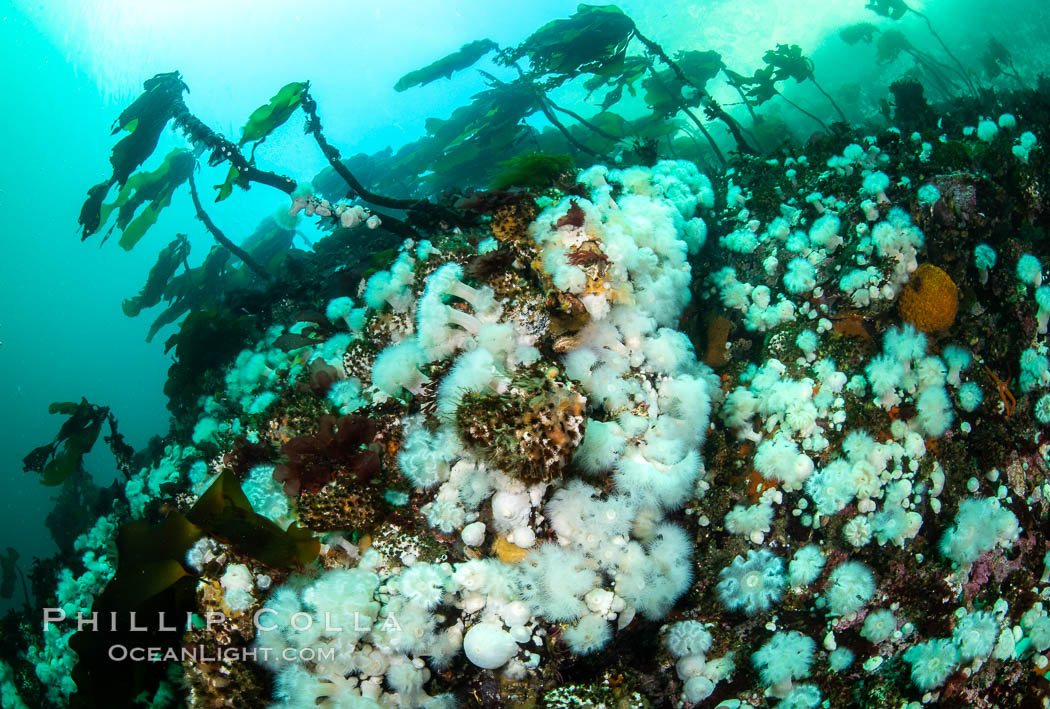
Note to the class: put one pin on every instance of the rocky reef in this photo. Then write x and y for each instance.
(625, 436)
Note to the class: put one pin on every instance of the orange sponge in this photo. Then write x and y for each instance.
(929, 300)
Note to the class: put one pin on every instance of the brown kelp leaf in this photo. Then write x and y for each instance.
(150, 580)
(144, 120)
(59, 459)
(593, 37)
(458, 60)
(224, 511)
(150, 558)
(291, 341)
(153, 189)
(168, 261)
(266, 118)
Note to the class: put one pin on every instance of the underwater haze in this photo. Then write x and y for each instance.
(484, 354)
